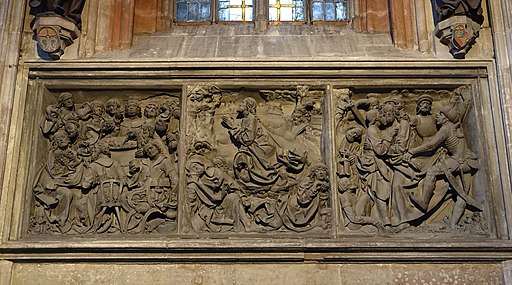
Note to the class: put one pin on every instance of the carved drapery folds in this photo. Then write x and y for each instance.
(404, 163)
(458, 24)
(111, 167)
(56, 25)
(256, 160)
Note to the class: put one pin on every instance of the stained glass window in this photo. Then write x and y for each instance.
(278, 10)
(329, 10)
(235, 10)
(193, 10)
(286, 10)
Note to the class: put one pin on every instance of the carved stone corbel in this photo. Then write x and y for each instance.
(458, 24)
(56, 25)
(53, 34)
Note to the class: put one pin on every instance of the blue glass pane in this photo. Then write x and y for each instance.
(223, 15)
(193, 10)
(205, 13)
(329, 12)
(181, 12)
(318, 12)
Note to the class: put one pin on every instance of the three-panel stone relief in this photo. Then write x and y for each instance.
(303, 160)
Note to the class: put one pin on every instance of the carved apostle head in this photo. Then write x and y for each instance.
(247, 105)
(97, 107)
(387, 114)
(132, 109)
(151, 150)
(61, 139)
(354, 134)
(66, 100)
(102, 148)
(196, 166)
(112, 107)
(151, 110)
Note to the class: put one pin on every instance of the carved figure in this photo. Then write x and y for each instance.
(58, 183)
(92, 181)
(453, 166)
(162, 180)
(409, 171)
(469, 8)
(214, 206)
(71, 9)
(348, 198)
(376, 173)
(104, 177)
(259, 164)
(302, 208)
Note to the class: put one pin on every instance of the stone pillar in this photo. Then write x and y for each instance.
(5, 272)
(501, 21)
(11, 25)
(507, 271)
(114, 22)
(371, 16)
(122, 32)
(261, 16)
(146, 16)
(403, 23)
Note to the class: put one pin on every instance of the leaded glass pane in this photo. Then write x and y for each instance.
(329, 10)
(286, 10)
(235, 10)
(193, 10)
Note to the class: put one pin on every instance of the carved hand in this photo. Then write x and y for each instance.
(407, 157)
(228, 122)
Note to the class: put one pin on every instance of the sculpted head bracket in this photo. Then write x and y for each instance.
(458, 24)
(56, 25)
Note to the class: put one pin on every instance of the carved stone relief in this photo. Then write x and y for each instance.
(404, 163)
(110, 168)
(254, 162)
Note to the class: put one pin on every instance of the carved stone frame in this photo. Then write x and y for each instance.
(35, 77)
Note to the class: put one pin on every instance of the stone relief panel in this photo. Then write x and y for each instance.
(110, 166)
(406, 163)
(257, 160)
(254, 161)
